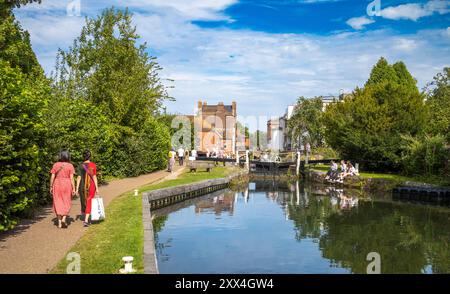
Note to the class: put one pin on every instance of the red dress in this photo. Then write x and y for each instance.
(87, 171)
(62, 187)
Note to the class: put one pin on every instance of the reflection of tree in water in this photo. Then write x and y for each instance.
(158, 225)
(407, 237)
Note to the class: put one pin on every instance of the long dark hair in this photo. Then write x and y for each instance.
(87, 155)
(64, 156)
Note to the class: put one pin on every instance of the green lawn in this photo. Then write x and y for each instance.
(102, 247)
(188, 177)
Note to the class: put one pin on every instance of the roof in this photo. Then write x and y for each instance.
(214, 108)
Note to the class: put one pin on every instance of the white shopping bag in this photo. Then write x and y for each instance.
(98, 210)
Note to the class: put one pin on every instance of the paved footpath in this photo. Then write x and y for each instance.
(36, 245)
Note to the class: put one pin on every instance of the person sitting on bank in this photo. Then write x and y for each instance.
(339, 176)
(332, 171)
(351, 170)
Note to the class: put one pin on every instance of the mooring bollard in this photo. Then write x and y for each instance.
(128, 268)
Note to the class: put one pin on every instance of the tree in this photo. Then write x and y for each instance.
(306, 121)
(372, 124)
(438, 101)
(381, 73)
(15, 45)
(403, 76)
(105, 66)
(22, 106)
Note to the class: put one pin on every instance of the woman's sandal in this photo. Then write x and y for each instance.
(64, 225)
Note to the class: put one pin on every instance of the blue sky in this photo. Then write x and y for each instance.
(262, 54)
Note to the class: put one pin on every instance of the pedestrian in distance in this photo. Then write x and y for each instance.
(181, 156)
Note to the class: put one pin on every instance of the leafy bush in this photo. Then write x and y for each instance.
(77, 125)
(427, 155)
(143, 152)
(22, 104)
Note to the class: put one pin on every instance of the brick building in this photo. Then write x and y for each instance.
(215, 127)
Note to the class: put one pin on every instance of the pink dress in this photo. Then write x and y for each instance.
(62, 187)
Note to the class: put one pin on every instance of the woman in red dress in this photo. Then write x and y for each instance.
(87, 186)
(62, 187)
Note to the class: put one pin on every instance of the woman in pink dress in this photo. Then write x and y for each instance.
(62, 187)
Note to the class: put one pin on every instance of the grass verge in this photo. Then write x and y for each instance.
(103, 245)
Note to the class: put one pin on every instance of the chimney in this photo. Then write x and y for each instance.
(199, 107)
(234, 108)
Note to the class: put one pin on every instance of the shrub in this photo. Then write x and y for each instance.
(143, 152)
(77, 125)
(22, 104)
(427, 155)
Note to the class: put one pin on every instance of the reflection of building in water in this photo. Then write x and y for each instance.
(246, 195)
(272, 195)
(218, 204)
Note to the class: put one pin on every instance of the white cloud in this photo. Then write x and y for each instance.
(415, 11)
(358, 23)
(192, 9)
(263, 72)
(405, 44)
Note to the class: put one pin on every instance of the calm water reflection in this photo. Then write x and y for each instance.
(289, 228)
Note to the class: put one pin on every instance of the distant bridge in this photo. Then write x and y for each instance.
(269, 167)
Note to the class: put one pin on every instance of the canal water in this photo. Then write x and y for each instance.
(275, 227)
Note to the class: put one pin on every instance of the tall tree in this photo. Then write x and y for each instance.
(15, 46)
(371, 126)
(403, 76)
(107, 67)
(306, 121)
(381, 73)
(438, 100)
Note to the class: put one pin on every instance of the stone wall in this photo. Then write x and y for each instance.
(172, 195)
